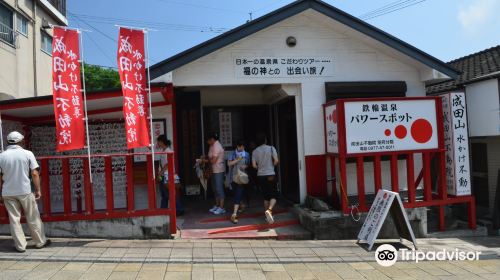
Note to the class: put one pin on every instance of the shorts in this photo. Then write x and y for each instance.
(218, 185)
(269, 189)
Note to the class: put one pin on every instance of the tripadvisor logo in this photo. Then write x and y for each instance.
(387, 255)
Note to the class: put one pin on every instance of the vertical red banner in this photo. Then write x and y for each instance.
(131, 66)
(66, 86)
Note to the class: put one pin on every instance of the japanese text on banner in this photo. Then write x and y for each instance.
(131, 66)
(66, 86)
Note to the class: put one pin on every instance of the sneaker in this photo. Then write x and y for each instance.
(269, 216)
(234, 219)
(46, 244)
(219, 211)
(213, 209)
(20, 250)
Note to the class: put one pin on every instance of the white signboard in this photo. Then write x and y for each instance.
(385, 202)
(226, 129)
(283, 66)
(332, 138)
(390, 125)
(456, 144)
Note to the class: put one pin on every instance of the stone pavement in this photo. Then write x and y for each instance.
(239, 259)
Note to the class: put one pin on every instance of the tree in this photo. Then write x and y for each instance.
(101, 78)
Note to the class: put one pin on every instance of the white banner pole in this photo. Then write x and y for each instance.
(150, 107)
(85, 103)
(1, 131)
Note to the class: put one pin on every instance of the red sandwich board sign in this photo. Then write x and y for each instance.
(382, 125)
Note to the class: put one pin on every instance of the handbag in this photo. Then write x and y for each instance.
(241, 178)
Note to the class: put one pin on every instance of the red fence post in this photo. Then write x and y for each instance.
(394, 173)
(472, 213)
(129, 168)
(108, 170)
(410, 177)
(45, 187)
(151, 184)
(87, 188)
(377, 173)
(427, 176)
(443, 192)
(66, 180)
(360, 172)
(171, 193)
(334, 182)
(343, 184)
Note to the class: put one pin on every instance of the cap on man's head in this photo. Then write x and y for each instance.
(14, 137)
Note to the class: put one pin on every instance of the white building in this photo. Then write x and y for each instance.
(26, 46)
(274, 73)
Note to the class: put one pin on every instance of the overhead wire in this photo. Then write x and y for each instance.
(392, 9)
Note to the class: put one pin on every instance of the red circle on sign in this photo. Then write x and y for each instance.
(421, 131)
(400, 131)
(385, 195)
(387, 132)
(334, 116)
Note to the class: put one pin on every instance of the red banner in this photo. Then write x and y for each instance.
(66, 86)
(131, 66)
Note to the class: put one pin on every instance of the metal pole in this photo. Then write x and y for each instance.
(85, 104)
(150, 108)
(1, 131)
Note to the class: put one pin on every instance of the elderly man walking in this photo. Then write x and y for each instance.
(16, 166)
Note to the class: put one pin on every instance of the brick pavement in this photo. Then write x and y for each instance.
(238, 259)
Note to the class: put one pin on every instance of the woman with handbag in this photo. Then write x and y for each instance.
(265, 160)
(238, 162)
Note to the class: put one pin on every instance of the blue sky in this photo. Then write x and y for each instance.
(446, 29)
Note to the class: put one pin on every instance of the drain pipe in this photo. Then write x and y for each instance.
(35, 81)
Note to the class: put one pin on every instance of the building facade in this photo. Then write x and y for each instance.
(26, 46)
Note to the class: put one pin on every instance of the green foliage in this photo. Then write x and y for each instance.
(100, 78)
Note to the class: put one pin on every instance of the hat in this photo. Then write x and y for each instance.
(14, 137)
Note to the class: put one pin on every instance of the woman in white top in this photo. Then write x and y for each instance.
(164, 145)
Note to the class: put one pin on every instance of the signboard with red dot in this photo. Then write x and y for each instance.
(332, 143)
(390, 125)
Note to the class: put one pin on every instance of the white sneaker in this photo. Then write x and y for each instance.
(269, 217)
(213, 209)
(220, 211)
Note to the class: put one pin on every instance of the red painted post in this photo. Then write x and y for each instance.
(343, 185)
(66, 180)
(443, 192)
(108, 170)
(334, 182)
(394, 173)
(442, 225)
(129, 168)
(377, 173)
(87, 188)
(151, 184)
(472, 213)
(360, 172)
(45, 187)
(427, 176)
(3, 214)
(171, 194)
(410, 177)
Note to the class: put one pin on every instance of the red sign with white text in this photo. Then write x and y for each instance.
(131, 66)
(66, 86)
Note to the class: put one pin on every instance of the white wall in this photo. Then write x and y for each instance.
(483, 107)
(493, 150)
(356, 58)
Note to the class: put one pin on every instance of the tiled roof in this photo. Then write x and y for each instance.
(475, 67)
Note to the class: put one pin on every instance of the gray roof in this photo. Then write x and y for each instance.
(287, 11)
(475, 67)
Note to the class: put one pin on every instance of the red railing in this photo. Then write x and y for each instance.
(110, 211)
(438, 197)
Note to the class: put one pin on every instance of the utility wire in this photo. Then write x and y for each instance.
(96, 44)
(202, 6)
(403, 5)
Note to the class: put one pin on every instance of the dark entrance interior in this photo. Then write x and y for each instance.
(286, 139)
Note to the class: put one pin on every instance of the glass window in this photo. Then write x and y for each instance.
(6, 24)
(46, 42)
(22, 25)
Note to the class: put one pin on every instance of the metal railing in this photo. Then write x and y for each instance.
(7, 34)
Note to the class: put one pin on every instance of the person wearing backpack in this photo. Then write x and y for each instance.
(238, 162)
(265, 160)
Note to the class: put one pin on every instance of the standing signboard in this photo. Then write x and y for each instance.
(456, 140)
(332, 137)
(386, 202)
(226, 129)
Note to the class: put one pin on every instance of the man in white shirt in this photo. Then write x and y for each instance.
(16, 165)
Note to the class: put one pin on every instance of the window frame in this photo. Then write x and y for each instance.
(23, 20)
(45, 34)
(10, 43)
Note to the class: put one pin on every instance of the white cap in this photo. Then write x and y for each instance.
(14, 137)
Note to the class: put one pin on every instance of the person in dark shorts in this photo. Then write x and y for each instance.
(265, 160)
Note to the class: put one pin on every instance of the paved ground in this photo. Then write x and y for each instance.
(238, 259)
